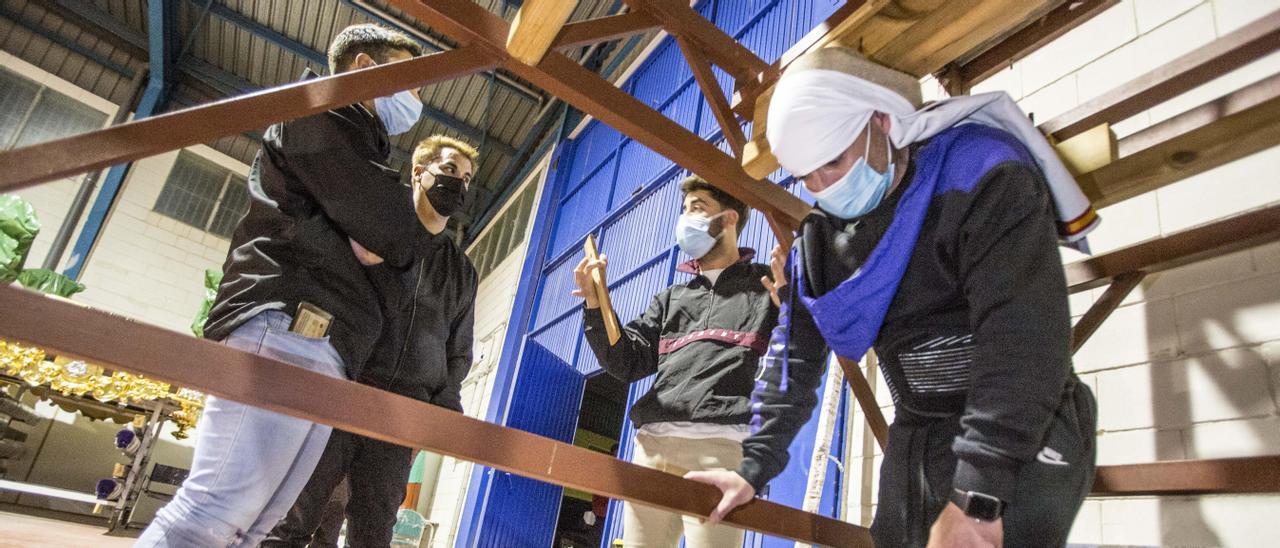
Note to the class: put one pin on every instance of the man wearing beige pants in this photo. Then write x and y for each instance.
(704, 339)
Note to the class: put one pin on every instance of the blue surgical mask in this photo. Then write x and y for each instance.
(399, 112)
(861, 189)
(693, 234)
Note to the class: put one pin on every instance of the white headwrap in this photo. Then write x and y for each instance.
(815, 114)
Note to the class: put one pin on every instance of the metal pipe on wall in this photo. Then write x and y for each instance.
(81, 200)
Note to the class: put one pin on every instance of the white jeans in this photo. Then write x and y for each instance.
(648, 527)
(250, 464)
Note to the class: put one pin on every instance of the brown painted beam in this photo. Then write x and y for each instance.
(1195, 244)
(66, 328)
(1092, 319)
(1190, 477)
(714, 96)
(1176, 77)
(866, 400)
(1223, 130)
(1021, 43)
(134, 140)
(604, 29)
(471, 24)
(720, 48)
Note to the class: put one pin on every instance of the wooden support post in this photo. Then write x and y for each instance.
(1088, 151)
(603, 29)
(866, 397)
(715, 98)
(1173, 78)
(1195, 244)
(1190, 477)
(535, 27)
(1088, 324)
(681, 20)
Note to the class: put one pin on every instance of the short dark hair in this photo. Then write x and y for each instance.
(694, 183)
(376, 41)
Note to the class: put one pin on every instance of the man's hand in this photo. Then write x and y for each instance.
(953, 529)
(736, 490)
(366, 257)
(778, 266)
(582, 277)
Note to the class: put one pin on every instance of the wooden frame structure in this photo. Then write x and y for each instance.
(1003, 31)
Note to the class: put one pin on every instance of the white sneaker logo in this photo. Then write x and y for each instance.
(1049, 456)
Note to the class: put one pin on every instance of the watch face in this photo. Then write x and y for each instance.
(983, 507)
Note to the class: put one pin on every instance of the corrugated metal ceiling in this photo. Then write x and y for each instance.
(99, 44)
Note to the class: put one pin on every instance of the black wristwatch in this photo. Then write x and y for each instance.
(977, 505)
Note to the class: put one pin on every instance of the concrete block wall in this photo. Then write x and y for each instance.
(146, 266)
(1189, 366)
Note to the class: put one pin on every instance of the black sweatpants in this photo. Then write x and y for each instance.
(919, 465)
(376, 472)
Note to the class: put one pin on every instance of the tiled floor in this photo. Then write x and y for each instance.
(27, 531)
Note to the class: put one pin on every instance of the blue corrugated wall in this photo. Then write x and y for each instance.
(627, 195)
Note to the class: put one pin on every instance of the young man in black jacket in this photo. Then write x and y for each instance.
(293, 290)
(704, 339)
(935, 242)
(424, 353)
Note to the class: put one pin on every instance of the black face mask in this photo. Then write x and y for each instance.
(447, 195)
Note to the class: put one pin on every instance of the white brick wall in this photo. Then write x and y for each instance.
(1189, 366)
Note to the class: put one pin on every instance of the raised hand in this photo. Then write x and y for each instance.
(582, 278)
(778, 266)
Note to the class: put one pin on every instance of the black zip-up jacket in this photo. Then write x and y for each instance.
(316, 182)
(979, 326)
(703, 341)
(425, 348)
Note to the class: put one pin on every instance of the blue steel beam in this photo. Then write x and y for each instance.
(266, 33)
(161, 38)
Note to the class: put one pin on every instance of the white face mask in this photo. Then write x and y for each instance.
(399, 112)
(693, 234)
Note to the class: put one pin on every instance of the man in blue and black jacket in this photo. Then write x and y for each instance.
(703, 338)
(935, 242)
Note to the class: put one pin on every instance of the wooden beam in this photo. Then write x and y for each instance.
(866, 398)
(134, 140)
(1046, 29)
(1223, 130)
(604, 29)
(535, 27)
(715, 97)
(720, 48)
(1172, 79)
(1195, 244)
(1088, 324)
(1088, 151)
(65, 328)
(1190, 477)
(471, 24)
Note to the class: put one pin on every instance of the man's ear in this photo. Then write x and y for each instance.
(362, 60)
(730, 220)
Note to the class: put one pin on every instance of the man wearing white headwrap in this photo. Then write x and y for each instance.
(934, 242)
